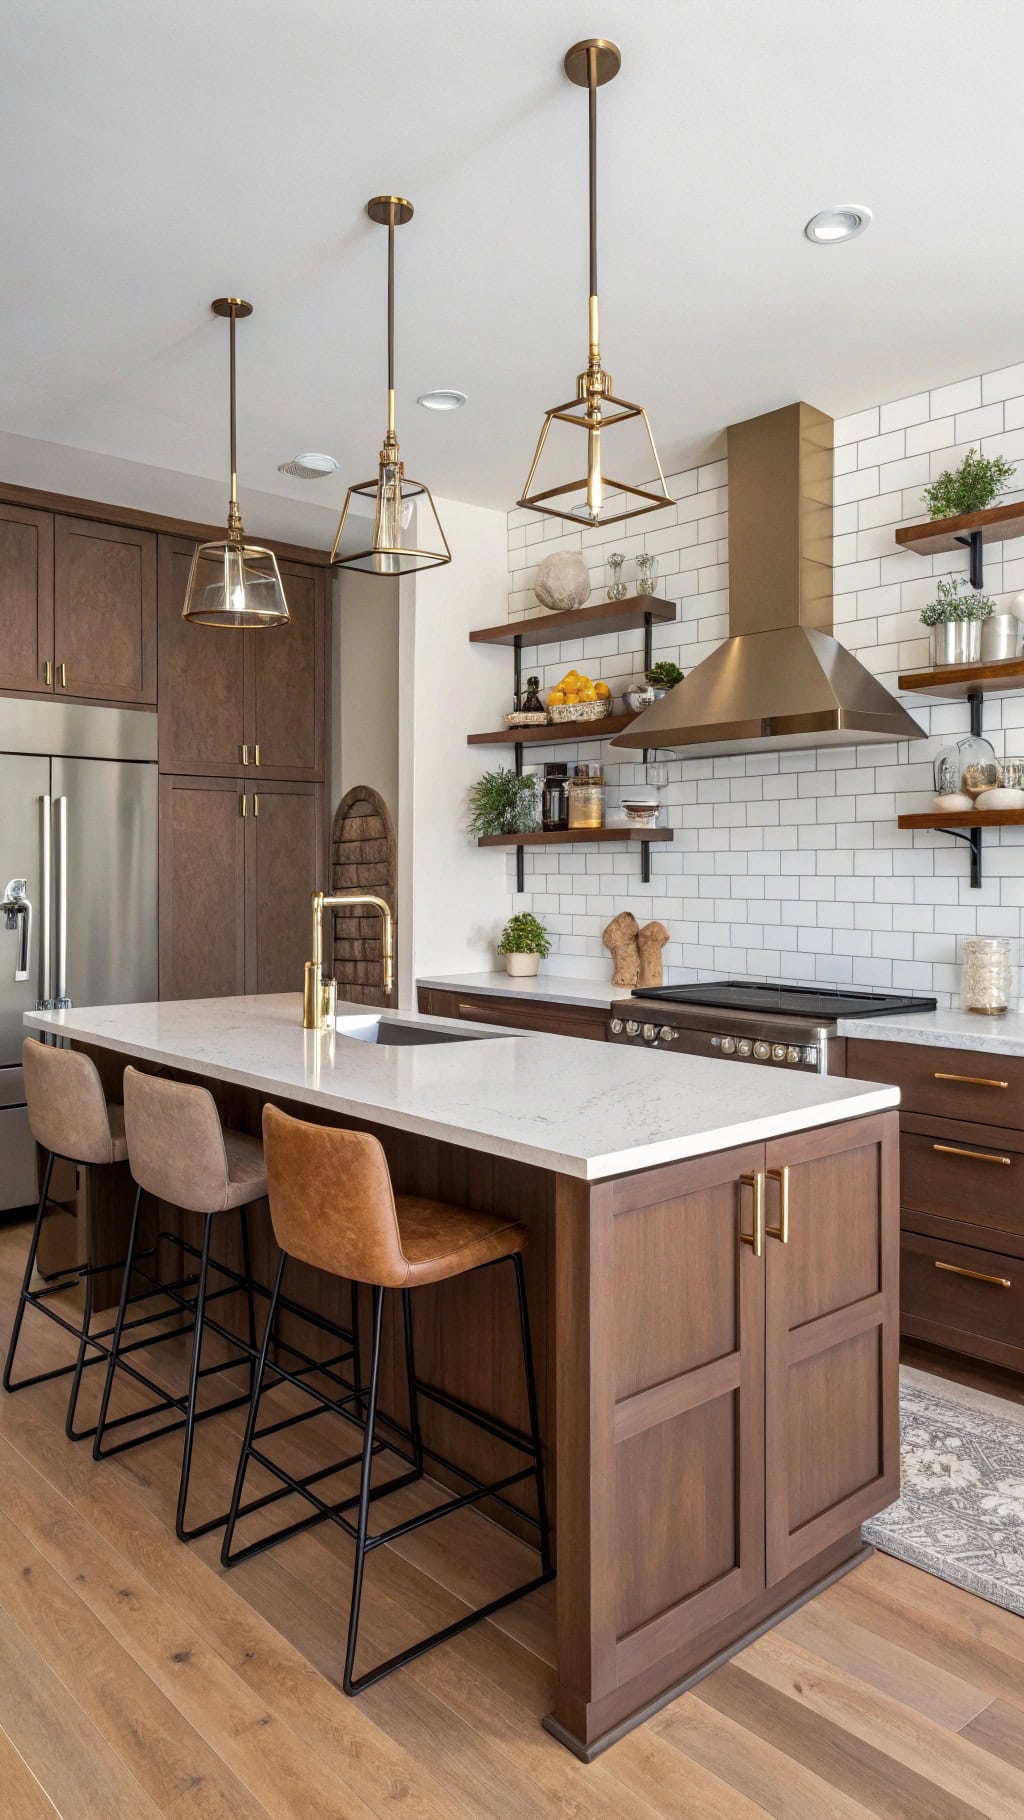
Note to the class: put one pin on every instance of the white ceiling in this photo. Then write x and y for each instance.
(156, 154)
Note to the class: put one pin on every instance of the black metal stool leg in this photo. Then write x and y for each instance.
(410, 1379)
(26, 1282)
(184, 1534)
(115, 1340)
(253, 1416)
(531, 1398)
(243, 1214)
(348, 1682)
(70, 1430)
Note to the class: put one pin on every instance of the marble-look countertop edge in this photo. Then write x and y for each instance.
(554, 989)
(943, 1030)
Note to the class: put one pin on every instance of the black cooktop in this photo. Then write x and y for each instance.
(792, 1001)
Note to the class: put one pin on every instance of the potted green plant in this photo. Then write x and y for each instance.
(954, 619)
(524, 943)
(502, 802)
(970, 487)
(659, 679)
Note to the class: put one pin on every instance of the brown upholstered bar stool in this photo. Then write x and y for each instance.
(333, 1207)
(69, 1117)
(180, 1153)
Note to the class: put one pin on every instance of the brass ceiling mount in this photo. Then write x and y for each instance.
(577, 62)
(379, 209)
(231, 306)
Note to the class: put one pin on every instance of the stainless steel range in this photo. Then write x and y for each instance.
(750, 1020)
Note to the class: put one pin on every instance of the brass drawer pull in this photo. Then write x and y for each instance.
(755, 1239)
(971, 1080)
(63, 669)
(976, 1156)
(976, 1276)
(256, 754)
(242, 803)
(781, 1231)
(255, 803)
(245, 755)
(48, 673)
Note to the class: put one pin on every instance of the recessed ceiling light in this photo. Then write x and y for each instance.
(841, 223)
(447, 399)
(308, 467)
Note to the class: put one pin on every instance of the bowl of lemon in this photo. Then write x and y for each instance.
(576, 697)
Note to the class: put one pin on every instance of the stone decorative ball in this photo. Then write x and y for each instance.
(563, 582)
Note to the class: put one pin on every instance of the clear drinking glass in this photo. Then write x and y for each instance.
(616, 587)
(647, 573)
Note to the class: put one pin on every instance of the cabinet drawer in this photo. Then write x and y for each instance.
(952, 1083)
(979, 1180)
(586, 1021)
(971, 1301)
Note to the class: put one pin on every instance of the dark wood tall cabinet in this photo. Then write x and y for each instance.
(26, 600)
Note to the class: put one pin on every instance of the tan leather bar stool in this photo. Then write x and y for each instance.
(333, 1206)
(69, 1117)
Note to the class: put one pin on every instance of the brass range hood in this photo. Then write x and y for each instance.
(780, 680)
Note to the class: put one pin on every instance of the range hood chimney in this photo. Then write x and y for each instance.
(780, 679)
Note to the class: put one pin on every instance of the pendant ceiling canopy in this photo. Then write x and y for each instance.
(234, 583)
(598, 496)
(407, 533)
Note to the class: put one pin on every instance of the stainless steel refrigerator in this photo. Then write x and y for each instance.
(78, 882)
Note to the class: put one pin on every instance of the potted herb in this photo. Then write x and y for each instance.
(660, 678)
(502, 802)
(524, 943)
(955, 622)
(970, 487)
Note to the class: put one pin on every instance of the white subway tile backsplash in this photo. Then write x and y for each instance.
(962, 396)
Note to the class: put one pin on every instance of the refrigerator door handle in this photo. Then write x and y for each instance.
(61, 1002)
(46, 906)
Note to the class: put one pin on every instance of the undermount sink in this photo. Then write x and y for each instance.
(391, 1032)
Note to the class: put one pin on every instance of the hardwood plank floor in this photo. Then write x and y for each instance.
(140, 1682)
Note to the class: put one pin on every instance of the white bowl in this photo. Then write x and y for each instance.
(954, 804)
(1000, 799)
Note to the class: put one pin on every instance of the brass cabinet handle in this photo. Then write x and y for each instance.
(976, 1156)
(256, 754)
(971, 1080)
(255, 804)
(755, 1239)
(242, 803)
(48, 673)
(245, 755)
(976, 1276)
(63, 675)
(781, 1231)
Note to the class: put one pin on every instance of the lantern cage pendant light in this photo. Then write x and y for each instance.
(245, 590)
(393, 495)
(595, 409)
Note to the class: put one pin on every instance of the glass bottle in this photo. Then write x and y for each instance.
(647, 573)
(586, 797)
(987, 983)
(616, 587)
(554, 813)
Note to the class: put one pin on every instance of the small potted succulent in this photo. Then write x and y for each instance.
(970, 487)
(659, 679)
(524, 943)
(502, 802)
(955, 622)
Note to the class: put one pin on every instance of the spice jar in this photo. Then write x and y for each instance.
(586, 797)
(987, 975)
(554, 802)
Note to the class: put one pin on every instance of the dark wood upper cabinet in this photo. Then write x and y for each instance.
(104, 612)
(236, 703)
(282, 862)
(202, 888)
(26, 599)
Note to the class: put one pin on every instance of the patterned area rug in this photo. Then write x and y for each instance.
(961, 1512)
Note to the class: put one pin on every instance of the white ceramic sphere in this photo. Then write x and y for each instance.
(563, 581)
(1000, 798)
(953, 804)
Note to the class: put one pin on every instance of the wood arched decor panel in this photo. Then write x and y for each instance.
(364, 857)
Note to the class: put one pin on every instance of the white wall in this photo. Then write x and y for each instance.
(790, 865)
(366, 702)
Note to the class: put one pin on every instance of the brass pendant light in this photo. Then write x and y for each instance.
(244, 589)
(595, 409)
(393, 495)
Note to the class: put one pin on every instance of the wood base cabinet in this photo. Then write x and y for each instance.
(728, 1405)
(238, 867)
(587, 1021)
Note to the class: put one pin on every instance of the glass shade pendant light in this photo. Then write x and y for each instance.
(597, 497)
(234, 583)
(394, 497)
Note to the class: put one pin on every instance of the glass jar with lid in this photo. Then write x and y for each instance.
(987, 975)
(586, 797)
(554, 814)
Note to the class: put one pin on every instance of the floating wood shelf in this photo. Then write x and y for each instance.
(554, 731)
(997, 524)
(964, 818)
(564, 837)
(958, 682)
(581, 622)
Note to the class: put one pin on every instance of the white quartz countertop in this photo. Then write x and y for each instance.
(943, 1030)
(546, 988)
(585, 1109)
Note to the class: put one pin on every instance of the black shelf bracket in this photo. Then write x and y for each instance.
(975, 702)
(973, 542)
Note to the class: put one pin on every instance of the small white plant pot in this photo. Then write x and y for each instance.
(523, 966)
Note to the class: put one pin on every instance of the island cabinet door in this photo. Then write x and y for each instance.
(832, 1335)
(660, 1428)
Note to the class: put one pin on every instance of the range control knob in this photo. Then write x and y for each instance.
(632, 1027)
(762, 1051)
(792, 1055)
(649, 1033)
(666, 1033)
(779, 1052)
(744, 1046)
(617, 1026)
(811, 1056)
(728, 1045)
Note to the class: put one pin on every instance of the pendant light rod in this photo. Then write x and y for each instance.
(391, 318)
(592, 113)
(232, 308)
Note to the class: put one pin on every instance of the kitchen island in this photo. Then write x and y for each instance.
(712, 1268)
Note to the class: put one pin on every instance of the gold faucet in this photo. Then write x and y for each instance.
(318, 995)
